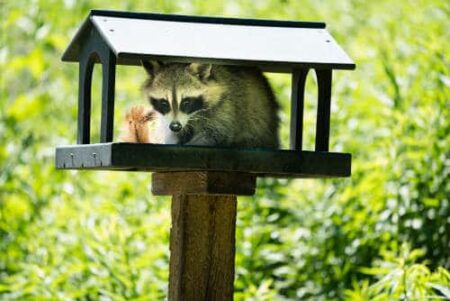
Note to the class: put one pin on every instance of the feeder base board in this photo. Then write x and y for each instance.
(161, 158)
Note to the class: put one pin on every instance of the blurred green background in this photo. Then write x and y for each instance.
(383, 234)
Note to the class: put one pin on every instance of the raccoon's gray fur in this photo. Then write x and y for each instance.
(201, 104)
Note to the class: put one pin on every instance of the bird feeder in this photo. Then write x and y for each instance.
(204, 180)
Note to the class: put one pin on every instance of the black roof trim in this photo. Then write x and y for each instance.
(204, 19)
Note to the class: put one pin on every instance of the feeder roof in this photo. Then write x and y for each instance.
(272, 45)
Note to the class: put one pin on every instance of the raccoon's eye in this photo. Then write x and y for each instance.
(192, 104)
(160, 104)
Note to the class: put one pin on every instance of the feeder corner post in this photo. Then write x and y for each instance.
(202, 235)
(93, 49)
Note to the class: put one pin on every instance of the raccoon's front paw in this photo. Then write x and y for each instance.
(135, 128)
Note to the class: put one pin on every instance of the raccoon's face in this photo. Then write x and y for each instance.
(177, 92)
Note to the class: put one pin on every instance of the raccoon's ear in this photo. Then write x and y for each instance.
(152, 67)
(203, 71)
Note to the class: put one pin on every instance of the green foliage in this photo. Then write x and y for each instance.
(399, 277)
(101, 235)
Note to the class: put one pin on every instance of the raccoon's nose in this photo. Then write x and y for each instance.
(175, 126)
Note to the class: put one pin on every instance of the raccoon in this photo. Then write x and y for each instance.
(212, 105)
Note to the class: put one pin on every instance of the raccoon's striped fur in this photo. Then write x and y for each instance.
(200, 104)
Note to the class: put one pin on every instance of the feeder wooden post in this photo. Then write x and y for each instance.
(202, 237)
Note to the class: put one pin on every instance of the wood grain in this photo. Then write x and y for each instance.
(202, 248)
(203, 182)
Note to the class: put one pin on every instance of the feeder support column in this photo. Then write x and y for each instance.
(84, 97)
(202, 236)
(324, 78)
(94, 50)
(297, 105)
(108, 87)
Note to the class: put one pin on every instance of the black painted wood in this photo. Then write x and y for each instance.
(297, 105)
(134, 59)
(205, 19)
(108, 89)
(84, 97)
(158, 157)
(94, 50)
(324, 78)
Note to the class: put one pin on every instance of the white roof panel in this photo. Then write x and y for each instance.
(133, 37)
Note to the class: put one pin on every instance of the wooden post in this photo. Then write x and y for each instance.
(202, 237)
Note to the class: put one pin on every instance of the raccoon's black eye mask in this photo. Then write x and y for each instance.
(191, 104)
(160, 104)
